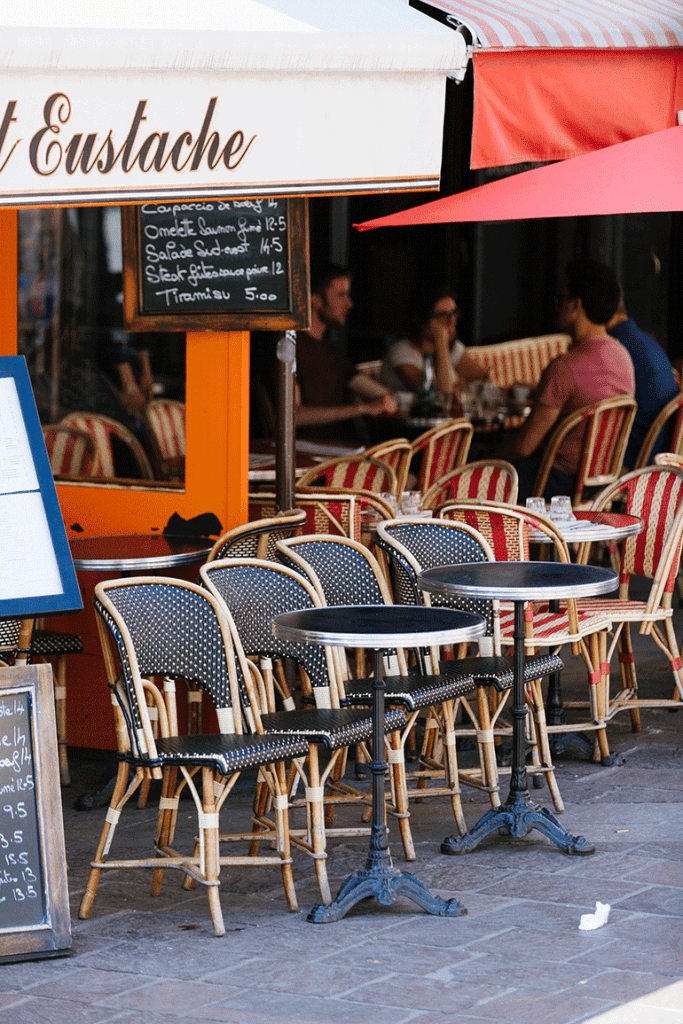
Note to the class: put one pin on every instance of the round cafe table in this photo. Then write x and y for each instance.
(137, 552)
(518, 582)
(380, 628)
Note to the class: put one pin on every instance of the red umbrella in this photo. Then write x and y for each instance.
(643, 175)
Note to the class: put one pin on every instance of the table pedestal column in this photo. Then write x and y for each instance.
(518, 815)
(380, 879)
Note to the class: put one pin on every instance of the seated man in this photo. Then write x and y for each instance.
(326, 379)
(655, 381)
(596, 366)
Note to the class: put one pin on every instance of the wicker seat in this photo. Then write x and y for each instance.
(71, 451)
(669, 419)
(165, 422)
(352, 472)
(606, 429)
(412, 546)
(655, 493)
(441, 449)
(490, 479)
(174, 629)
(347, 574)
(255, 592)
(51, 645)
(257, 539)
(506, 527)
(106, 433)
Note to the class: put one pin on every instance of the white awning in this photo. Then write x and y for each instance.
(123, 102)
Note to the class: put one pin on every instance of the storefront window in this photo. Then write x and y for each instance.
(80, 357)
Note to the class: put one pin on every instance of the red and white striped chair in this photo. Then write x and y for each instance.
(102, 429)
(442, 449)
(489, 479)
(605, 428)
(397, 453)
(506, 529)
(354, 472)
(655, 493)
(165, 420)
(670, 419)
(71, 452)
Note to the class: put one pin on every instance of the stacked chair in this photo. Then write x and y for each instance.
(151, 626)
(655, 493)
(255, 592)
(506, 529)
(345, 573)
(411, 546)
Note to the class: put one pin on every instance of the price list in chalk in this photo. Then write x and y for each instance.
(22, 902)
(214, 256)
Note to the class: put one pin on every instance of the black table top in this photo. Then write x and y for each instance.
(519, 581)
(136, 551)
(378, 627)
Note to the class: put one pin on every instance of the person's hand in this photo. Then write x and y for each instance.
(385, 406)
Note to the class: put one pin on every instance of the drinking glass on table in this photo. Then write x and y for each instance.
(411, 503)
(537, 505)
(390, 499)
(561, 509)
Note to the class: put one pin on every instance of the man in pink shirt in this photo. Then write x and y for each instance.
(596, 366)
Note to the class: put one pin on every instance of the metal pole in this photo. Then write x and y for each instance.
(285, 426)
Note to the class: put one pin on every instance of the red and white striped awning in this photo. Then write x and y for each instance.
(557, 78)
(574, 24)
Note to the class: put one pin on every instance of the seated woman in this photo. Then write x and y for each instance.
(434, 319)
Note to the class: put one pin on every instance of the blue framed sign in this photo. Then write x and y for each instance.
(37, 575)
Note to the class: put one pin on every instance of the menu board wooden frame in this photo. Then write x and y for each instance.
(47, 533)
(40, 807)
(295, 317)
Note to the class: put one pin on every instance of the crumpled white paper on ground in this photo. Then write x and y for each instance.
(589, 922)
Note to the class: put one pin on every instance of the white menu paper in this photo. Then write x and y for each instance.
(28, 566)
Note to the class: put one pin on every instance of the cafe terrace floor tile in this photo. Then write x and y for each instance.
(620, 986)
(245, 1008)
(169, 995)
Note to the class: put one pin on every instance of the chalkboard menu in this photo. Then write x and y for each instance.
(34, 903)
(217, 264)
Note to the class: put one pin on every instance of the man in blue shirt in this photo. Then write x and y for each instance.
(655, 381)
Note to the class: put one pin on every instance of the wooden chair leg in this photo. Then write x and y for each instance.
(60, 712)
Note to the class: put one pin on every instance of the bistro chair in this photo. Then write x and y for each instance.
(337, 511)
(165, 423)
(346, 573)
(655, 493)
(397, 453)
(669, 419)
(506, 528)
(71, 451)
(152, 626)
(352, 472)
(48, 645)
(257, 539)
(411, 546)
(490, 479)
(107, 434)
(441, 449)
(605, 428)
(255, 592)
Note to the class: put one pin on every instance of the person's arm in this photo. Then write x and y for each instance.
(132, 397)
(367, 387)
(526, 440)
(146, 378)
(470, 368)
(317, 415)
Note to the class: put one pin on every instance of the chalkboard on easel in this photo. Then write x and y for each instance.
(217, 264)
(34, 899)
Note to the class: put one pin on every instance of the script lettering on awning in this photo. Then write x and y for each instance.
(51, 149)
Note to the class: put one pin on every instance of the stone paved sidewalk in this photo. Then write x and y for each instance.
(517, 956)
